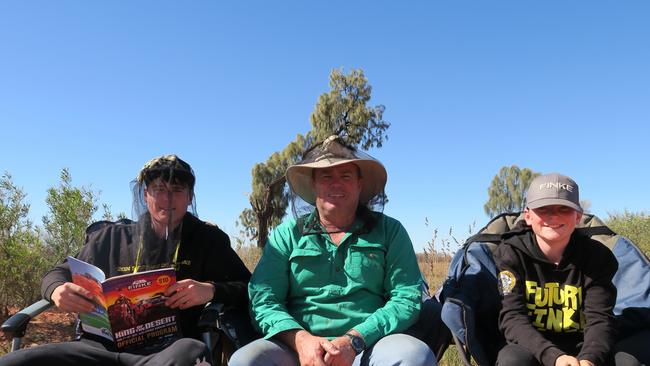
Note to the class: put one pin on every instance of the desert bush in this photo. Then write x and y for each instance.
(633, 225)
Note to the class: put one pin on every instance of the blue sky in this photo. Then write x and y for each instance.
(468, 86)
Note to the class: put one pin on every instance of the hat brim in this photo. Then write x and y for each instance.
(553, 201)
(373, 177)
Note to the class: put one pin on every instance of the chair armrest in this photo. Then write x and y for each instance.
(16, 325)
(210, 315)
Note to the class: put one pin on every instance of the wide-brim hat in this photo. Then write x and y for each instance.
(332, 153)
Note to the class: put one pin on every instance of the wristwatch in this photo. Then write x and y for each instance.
(358, 344)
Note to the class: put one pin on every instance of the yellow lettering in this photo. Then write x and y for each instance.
(568, 321)
(554, 321)
(538, 320)
(530, 288)
(556, 294)
(571, 297)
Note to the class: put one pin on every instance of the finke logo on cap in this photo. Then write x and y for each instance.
(556, 185)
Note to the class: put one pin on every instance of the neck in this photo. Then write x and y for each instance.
(336, 223)
(552, 251)
(161, 229)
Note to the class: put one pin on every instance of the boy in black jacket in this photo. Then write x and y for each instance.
(556, 284)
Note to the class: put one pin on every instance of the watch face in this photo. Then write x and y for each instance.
(357, 344)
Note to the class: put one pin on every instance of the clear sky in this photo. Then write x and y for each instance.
(468, 86)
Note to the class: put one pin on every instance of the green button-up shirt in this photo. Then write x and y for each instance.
(370, 282)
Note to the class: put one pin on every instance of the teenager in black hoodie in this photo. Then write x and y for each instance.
(165, 235)
(556, 285)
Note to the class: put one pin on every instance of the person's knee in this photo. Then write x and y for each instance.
(189, 349)
(263, 352)
(516, 356)
(625, 359)
(401, 349)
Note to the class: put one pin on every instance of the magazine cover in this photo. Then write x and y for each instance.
(130, 308)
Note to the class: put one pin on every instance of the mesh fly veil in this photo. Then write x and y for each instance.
(168, 181)
(331, 152)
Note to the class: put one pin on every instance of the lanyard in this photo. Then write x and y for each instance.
(136, 267)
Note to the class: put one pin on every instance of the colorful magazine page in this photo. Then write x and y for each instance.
(131, 308)
(90, 277)
(136, 308)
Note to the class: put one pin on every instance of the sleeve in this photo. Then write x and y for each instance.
(231, 281)
(60, 274)
(513, 318)
(54, 278)
(403, 286)
(599, 301)
(269, 287)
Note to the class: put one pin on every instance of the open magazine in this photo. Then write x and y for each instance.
(130, 308)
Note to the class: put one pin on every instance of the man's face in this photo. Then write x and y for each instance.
(337, 187)
(554, 224)
(165, 200)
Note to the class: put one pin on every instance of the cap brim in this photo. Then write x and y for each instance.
(551, 202)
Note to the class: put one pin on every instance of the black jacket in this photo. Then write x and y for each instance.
(204, 255)
(558, 309)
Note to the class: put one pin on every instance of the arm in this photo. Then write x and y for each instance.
(218, 275)
(269, 287)
(231, 287)
(402, 285)
(513, 318)
(58, 288)
(599, 301)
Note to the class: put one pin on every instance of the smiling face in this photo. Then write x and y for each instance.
(337, 188)
(166, 200)
(552, 225)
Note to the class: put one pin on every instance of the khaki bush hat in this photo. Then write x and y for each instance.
(332, 153)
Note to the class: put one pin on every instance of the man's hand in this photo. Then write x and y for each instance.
(311, 350)
(187, 293)
(346, 353)
(73, 298)
(586, 363)
(566, 360)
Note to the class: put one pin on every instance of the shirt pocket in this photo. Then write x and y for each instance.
(367, 264)
(306, 269)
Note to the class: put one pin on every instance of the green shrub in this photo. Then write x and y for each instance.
(633, 225)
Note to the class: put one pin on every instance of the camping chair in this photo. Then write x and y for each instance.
(222, 329)
(471, 301)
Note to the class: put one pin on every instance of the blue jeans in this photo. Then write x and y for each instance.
(394, 349)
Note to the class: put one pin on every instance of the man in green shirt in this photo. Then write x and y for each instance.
(337, 285)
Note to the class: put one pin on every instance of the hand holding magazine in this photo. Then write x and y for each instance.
(131, 308)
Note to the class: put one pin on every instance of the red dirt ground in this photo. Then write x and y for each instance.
(50, 326)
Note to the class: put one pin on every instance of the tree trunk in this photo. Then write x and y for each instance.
(264, 213)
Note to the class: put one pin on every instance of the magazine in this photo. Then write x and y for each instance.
(130, 309)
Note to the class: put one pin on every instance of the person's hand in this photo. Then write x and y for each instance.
(566, 360)
(586, 363)
(311, 349)
(346, 354)
(187, 293)
(73, 298)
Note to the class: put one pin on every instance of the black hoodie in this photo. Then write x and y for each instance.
(552, 309)
(204, 255)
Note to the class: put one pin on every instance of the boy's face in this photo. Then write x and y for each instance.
(165, 200)
(553, 224)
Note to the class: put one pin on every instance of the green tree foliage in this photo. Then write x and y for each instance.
(634, 226)
(344, 111)
(21, 250)
(70, 211)
(507, 192)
